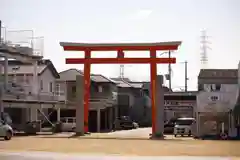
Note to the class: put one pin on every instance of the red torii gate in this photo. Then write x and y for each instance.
(120, 59)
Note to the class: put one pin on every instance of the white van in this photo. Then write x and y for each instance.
(183, 126)
(68, 124)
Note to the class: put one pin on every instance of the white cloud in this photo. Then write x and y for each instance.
(142, 14)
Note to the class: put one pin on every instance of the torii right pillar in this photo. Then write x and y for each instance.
(159, 121)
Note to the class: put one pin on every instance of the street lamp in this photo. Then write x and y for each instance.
(168, 76)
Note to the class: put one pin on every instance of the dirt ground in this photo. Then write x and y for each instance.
(170, 147)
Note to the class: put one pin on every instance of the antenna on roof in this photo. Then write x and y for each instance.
(204, 47)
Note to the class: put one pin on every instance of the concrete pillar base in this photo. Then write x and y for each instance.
(156, 136)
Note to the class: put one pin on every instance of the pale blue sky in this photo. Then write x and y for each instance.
(132, 21)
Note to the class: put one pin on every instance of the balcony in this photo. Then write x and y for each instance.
(107, 99)
(22, 91)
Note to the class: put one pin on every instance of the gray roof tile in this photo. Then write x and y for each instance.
(218, 73)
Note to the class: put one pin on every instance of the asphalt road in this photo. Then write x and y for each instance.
(56, 156)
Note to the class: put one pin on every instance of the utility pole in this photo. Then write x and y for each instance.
(0, 31)
(1, 83)
(169, 71)
(186, 76)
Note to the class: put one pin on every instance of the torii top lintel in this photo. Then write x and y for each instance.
(70, 46)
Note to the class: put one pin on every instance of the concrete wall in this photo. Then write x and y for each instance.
(47, 78)
(213, 108)
(127, 92)
(227, 95)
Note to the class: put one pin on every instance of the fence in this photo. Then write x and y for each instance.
(24, 41)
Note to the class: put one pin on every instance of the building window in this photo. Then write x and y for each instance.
(218, 87)
(100, 89)
(214, 98)
(213, 87)
(74, 89)
(200, 87)
(50, 87)
(27, 79)
(57, 89)
(41, 85)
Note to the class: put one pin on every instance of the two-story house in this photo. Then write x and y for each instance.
(103, 99)
(28, 97)
(218, 92)
(127, 95)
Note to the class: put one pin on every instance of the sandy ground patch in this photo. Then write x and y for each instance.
(123, 147)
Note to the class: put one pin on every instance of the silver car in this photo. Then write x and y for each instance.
(68, 124)
(6, 130)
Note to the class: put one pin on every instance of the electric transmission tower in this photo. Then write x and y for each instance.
(204, 48)
(121, 71)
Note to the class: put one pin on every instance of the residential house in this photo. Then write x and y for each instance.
(28, 96)
(218, 92)
(176, 104)
(103, 98)
(127, 95)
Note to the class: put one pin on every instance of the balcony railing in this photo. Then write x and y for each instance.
(108, 99)
(22, 41)
(23, 91)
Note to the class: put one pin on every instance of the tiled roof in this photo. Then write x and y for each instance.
(121, 79)
(70, 75)
(101, 79)
(124, 85)
(218, 73)
(121, 82)
(136, 85)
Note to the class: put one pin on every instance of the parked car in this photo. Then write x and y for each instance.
(169, 126)
(6, 130)
(125, 122)
(68, 124)
(183, 126)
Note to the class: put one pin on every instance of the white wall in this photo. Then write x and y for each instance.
(46, 78)
(226, 98)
